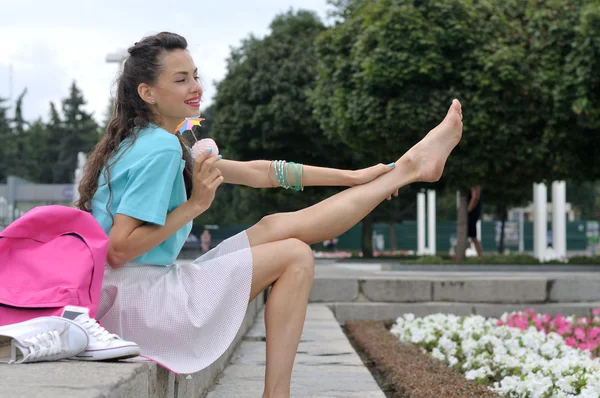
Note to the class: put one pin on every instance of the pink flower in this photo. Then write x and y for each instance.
(582, 333)
(546, 318)
(596, 312)
(499, 323)
(523, 324)
(538, 323)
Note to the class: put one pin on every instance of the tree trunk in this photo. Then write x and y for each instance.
(392, 237)
(367, 236)
(503, 217)
(461, 228)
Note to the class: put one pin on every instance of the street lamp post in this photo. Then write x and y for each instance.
(119, 57)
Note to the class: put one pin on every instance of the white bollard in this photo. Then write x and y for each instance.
(421, 223)
(540, 228)
(559, 224)
(431, 228)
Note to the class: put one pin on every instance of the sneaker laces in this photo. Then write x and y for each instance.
(44, 344)
(94, 329)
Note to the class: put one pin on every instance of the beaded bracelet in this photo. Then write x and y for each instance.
(282, 171)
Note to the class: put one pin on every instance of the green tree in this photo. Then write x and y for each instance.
(388, 70)
(37, 160)
(54, 130)
(19, 153)
(79, 133)
(13, 138)
(392, 66)
(5, 136)
(584, 197)
(262, 111)
(566, 51)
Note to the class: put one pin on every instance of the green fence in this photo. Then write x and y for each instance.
(406, 235)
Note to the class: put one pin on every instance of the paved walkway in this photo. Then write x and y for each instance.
(326, 364)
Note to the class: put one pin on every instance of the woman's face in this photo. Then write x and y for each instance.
(177, 93)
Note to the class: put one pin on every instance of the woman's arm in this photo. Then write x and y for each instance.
(260, 174)
(129, 237)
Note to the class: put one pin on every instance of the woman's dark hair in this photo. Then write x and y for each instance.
(130, 113)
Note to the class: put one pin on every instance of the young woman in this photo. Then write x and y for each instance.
(143, 188)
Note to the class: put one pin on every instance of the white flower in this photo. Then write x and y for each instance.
(452, 361)
(528, 363)
(437, 354)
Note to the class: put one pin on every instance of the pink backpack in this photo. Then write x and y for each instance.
(51, 257)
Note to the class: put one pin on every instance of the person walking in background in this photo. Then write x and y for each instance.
(474, 215)
(205, 241)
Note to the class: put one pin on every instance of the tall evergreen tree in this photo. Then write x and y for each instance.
(79, 134)
(5, 135)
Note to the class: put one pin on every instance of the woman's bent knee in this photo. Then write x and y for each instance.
(303, 259)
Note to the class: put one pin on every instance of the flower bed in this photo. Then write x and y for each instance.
(513, 362)
(582, 333)
(403, 370)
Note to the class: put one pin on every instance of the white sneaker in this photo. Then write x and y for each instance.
(102, 344)
(47, 338)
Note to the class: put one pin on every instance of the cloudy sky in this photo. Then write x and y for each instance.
(50, 44)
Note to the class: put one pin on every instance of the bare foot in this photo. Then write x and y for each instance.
(429, 155)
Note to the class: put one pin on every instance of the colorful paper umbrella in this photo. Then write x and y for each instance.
(188, 123)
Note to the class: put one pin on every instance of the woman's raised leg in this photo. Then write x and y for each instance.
(330, 218)
(289, 266)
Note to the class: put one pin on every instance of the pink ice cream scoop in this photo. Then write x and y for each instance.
(203, 145)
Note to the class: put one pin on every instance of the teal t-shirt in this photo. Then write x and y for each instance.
(147, 183)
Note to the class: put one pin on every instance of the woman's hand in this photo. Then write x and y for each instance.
(206, 180)
(364, 176)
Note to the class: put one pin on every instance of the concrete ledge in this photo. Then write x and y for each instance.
(575, 290)
(66, 379)
(498, 290)
(126, 379)
(390, 311)
(334, 289)
(397, 290)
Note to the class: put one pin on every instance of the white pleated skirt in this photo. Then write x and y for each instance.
(183, 317)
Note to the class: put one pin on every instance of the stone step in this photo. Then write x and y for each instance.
(127, 379)
(326, 364)
(481, 288)
(390, 311)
